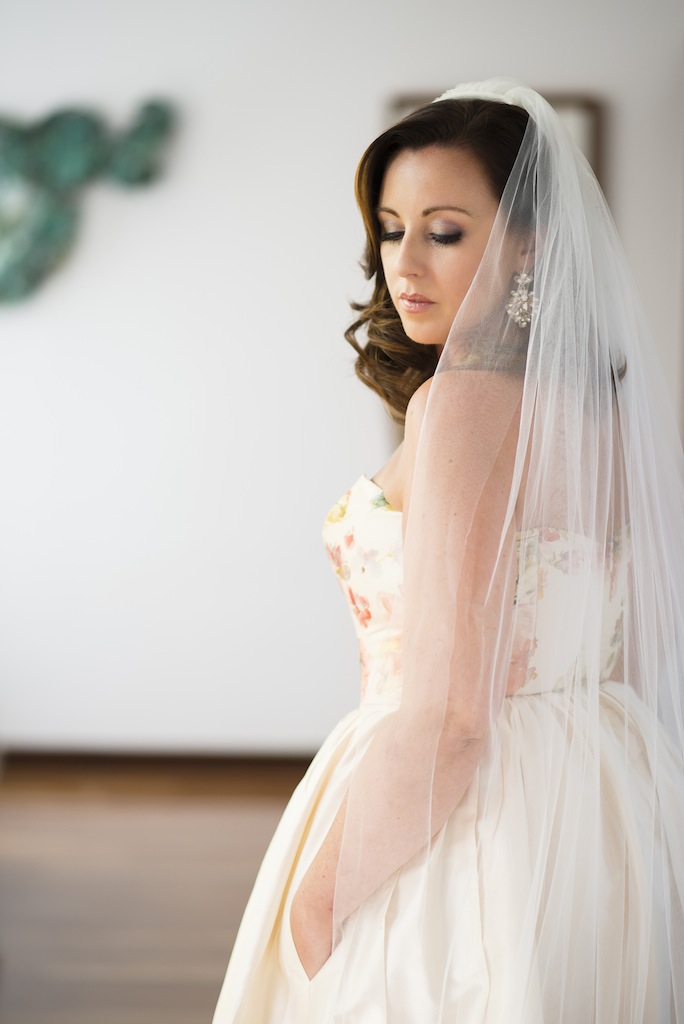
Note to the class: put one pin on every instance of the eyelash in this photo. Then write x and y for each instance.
(396, 236)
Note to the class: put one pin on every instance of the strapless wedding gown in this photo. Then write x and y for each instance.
(471, 906)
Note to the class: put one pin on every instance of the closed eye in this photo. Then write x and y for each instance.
(447, 239)
(439, 239)
(391, 236)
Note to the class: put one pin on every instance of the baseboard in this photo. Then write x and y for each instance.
(62, 772)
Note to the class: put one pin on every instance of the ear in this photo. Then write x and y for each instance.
(529, 247)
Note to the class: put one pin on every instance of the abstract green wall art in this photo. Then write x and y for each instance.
(43, 169)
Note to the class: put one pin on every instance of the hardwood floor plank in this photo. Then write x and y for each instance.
(121, 889)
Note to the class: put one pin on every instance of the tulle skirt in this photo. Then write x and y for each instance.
(546, 898)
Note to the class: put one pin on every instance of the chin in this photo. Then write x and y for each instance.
(425, 337)
(424, 333)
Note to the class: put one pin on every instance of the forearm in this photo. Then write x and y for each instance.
(390, 838)
(410, 793)
(311, 915)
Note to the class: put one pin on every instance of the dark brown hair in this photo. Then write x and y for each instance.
(389, 362)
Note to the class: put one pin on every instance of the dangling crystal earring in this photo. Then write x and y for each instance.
(522, 305)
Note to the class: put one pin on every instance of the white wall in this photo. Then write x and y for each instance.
(177, 405)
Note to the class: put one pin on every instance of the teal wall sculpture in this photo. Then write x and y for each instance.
(43, 168)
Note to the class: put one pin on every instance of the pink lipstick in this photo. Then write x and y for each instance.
(415, 303)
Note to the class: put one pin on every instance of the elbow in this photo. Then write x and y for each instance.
(466, 729)
(460, 726)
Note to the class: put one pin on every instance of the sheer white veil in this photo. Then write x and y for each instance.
(544, 564)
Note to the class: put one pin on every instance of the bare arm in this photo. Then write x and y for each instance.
(453, 735)
(312, 908)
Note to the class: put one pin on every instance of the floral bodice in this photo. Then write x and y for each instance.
(363, 536)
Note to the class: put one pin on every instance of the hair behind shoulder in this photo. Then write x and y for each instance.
(389, 362)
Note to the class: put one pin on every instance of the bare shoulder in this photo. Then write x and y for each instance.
(415, 411)
(474, 414)
(415, 414)
(462, 398)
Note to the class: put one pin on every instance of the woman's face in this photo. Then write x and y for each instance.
(436, 212)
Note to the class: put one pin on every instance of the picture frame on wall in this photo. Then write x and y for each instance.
(582, 114)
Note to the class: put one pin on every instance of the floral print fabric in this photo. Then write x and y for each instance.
(363, 538)
(362, 535)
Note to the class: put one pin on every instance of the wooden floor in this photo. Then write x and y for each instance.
(122, 883)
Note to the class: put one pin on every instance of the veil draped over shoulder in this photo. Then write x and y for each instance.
(541, 723)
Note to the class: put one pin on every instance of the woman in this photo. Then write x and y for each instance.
(497, 834)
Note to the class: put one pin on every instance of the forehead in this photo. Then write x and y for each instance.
(437, 175)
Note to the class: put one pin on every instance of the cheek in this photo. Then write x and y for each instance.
(387, 263)
(463, 268)
(457, 275)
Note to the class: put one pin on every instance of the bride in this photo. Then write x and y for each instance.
(496, 834)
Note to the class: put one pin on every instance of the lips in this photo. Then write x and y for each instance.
(415, 302)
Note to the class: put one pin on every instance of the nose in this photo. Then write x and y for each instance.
(409, 262)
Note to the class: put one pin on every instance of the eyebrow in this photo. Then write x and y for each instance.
(428, 211)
